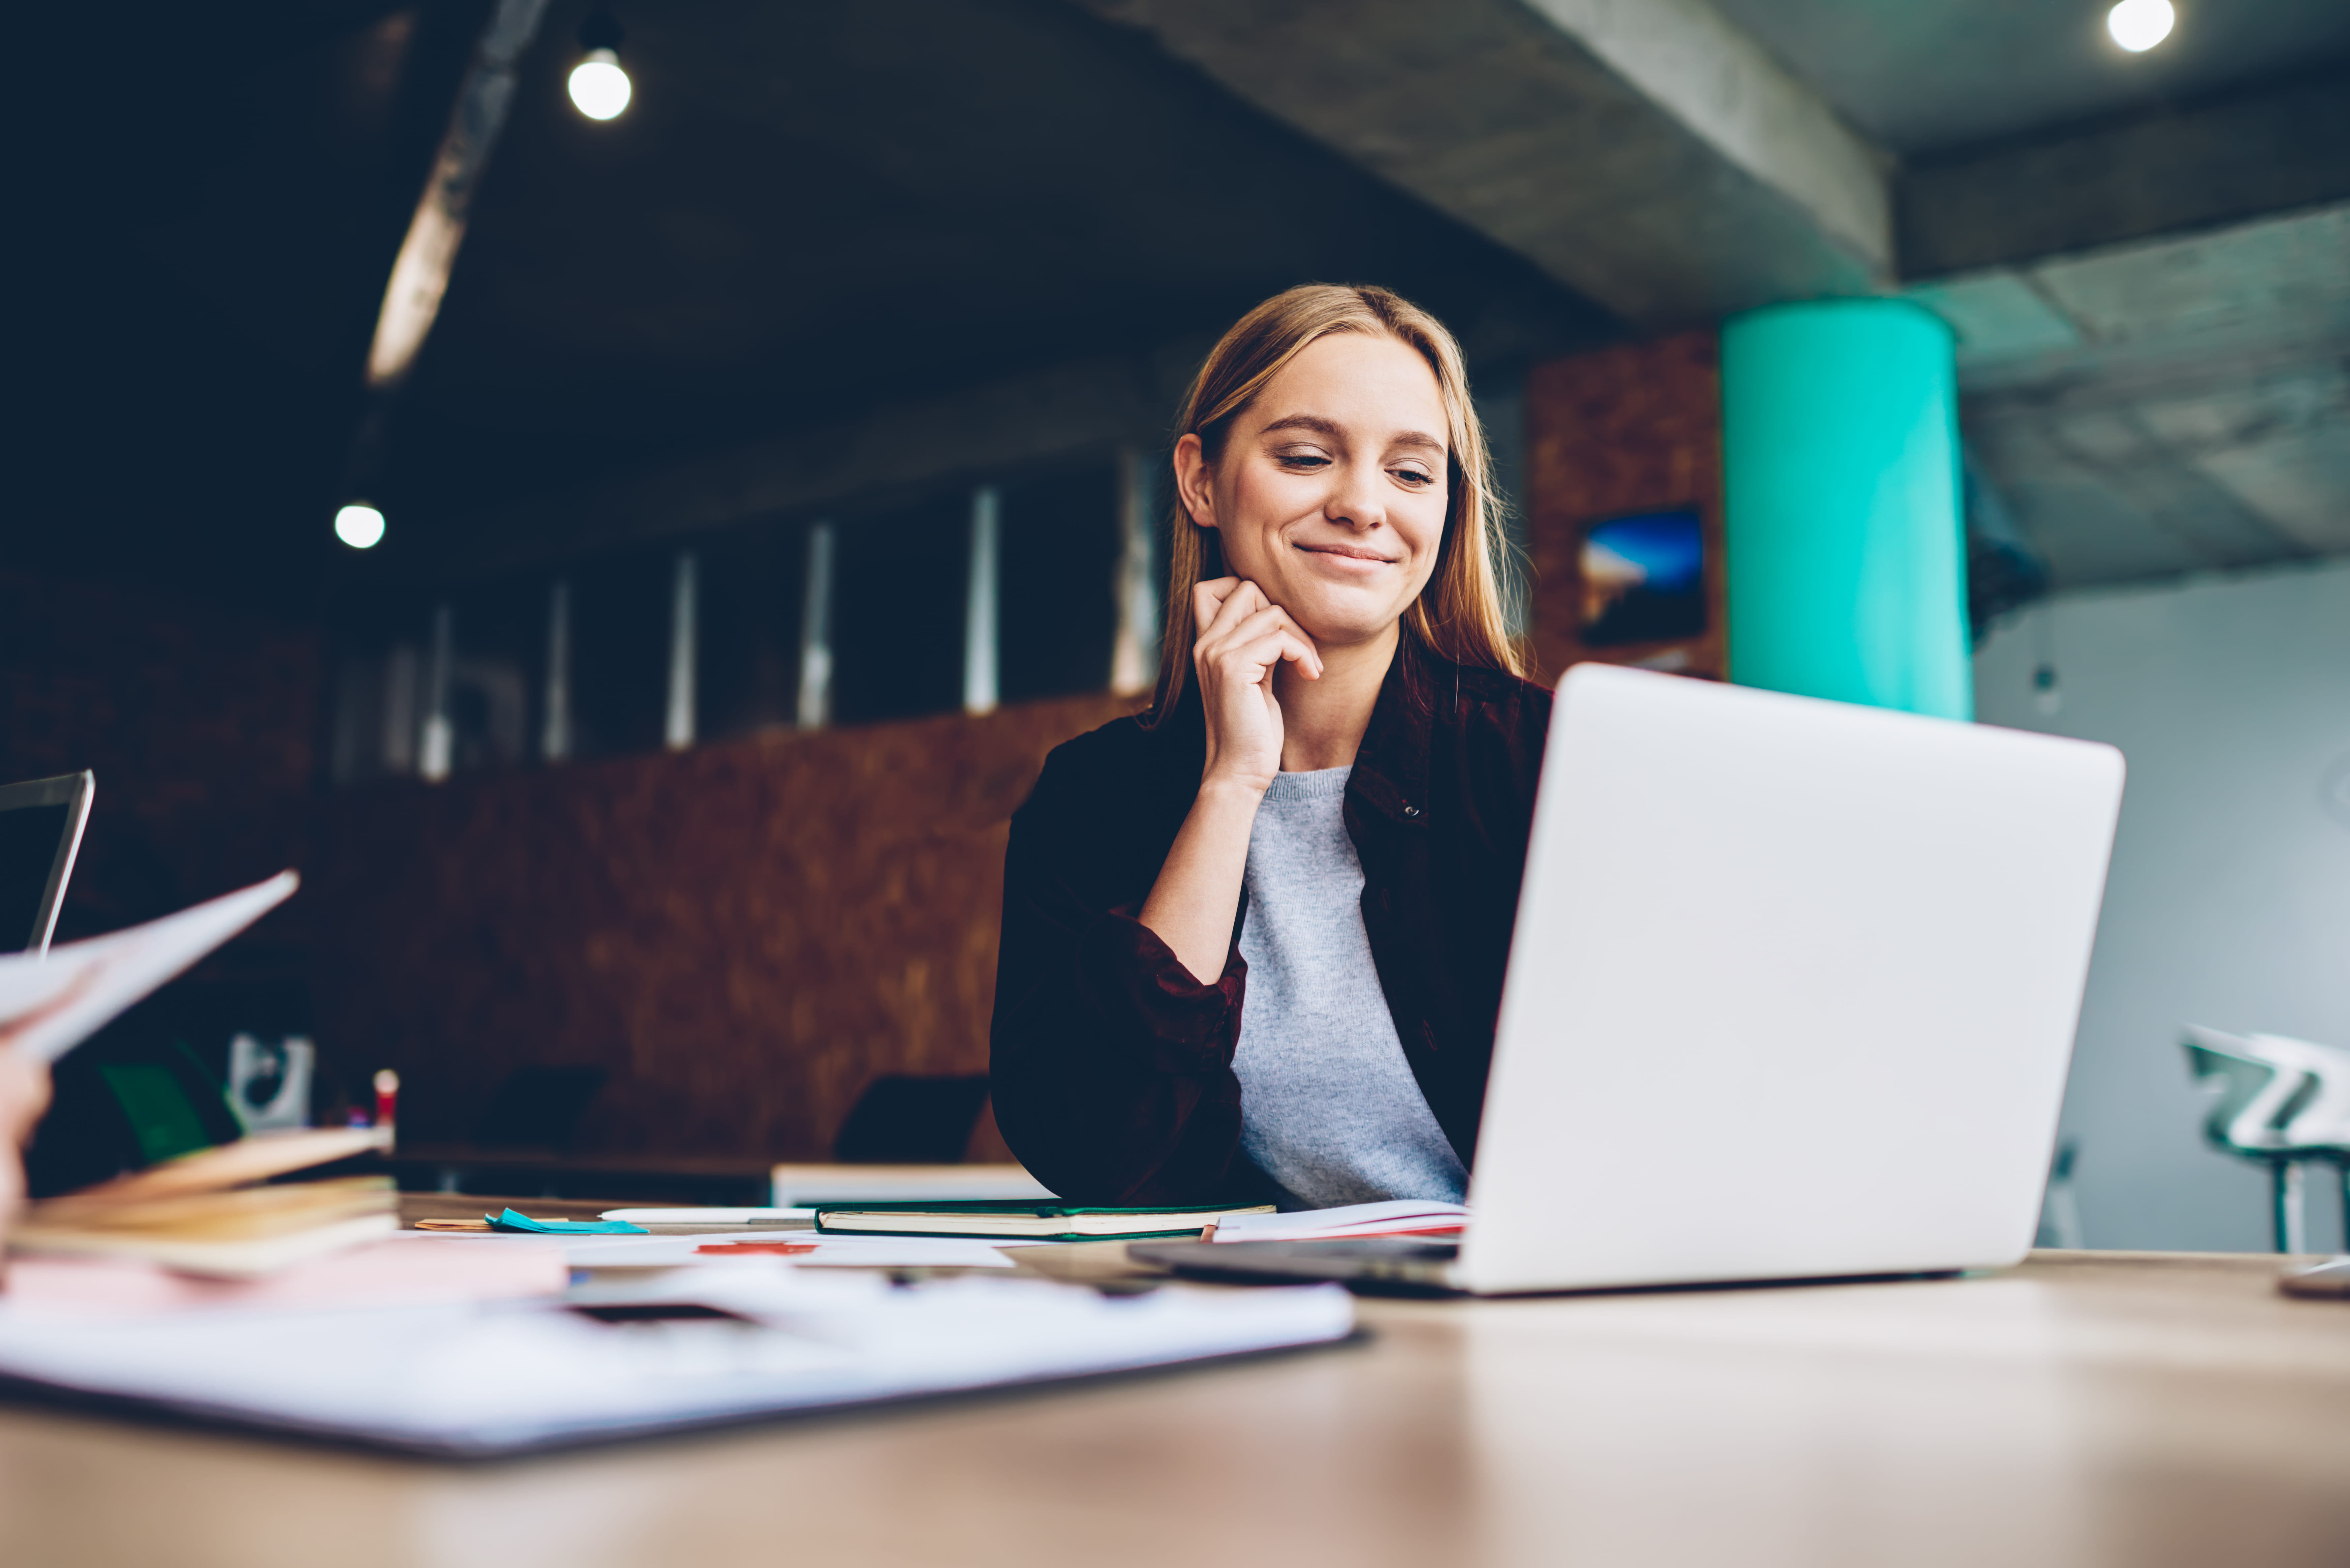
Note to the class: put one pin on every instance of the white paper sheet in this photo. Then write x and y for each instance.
(494, 1377)
(50, 1004)
(852, 1251)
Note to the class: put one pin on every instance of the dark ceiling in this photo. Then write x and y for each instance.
(812, 206)
(1926, 76)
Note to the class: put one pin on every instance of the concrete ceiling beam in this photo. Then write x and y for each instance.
(1646, 153)
(2270, 149)
(2168, 405)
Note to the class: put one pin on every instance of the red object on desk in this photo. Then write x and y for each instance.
(785, 1249)
(386, 1101)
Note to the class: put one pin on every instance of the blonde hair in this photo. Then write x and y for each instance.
(1458, 613)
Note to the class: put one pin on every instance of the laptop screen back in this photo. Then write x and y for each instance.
(40, 828)
(28, 847)
(1792, 989)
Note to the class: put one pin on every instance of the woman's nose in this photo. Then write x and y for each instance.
(1354, 499)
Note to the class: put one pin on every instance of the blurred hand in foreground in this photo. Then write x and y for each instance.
(23, 1095)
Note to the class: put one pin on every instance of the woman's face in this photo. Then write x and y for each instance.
(1330, 493)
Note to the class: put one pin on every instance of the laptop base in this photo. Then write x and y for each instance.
(1369, 1265)
(1412, 1266)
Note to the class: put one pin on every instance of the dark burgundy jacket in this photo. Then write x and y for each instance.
(1112, 1066)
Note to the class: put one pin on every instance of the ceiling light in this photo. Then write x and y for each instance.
(2139, 25)
(360, 526)
(599, 86)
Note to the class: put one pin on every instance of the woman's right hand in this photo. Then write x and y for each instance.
(1243, 639)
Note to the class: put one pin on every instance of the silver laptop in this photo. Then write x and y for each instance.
(40, 833)
(1792, 996)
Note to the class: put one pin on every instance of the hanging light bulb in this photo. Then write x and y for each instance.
(360, 526)
(599, 86)
(2139, 25)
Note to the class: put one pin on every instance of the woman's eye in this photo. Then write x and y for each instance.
(1303, 462)
(1414, 476)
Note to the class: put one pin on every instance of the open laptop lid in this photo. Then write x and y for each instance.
(40, 833)
(1792, 994)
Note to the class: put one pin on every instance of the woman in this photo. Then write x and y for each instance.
(1254, 940)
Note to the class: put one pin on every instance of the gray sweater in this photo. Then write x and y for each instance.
(1329, 1108)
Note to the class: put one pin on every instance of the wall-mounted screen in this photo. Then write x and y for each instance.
(1643, 579)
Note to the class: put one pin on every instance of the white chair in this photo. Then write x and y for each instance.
(2285, 1103)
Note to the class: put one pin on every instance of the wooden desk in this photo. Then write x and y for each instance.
(2130, 1410)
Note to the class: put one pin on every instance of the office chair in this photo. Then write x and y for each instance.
(901, 1120)
(2323, 1119)
(2283, 1102)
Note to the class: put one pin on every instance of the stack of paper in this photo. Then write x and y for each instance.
(206, 1214)
(1399, 1216)
(798, 1250)
(713, 1345)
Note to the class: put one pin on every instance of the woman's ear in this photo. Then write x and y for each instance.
(1195, 481)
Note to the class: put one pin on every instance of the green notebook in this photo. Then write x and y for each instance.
(1018, 1220)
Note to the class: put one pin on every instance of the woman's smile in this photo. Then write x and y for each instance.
(1350, 560)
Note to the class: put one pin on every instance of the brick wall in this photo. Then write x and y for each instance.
(741, 935)
(1630, 429)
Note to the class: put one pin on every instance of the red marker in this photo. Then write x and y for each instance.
(387, 1103)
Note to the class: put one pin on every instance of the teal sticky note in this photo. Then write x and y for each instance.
(510, 1220)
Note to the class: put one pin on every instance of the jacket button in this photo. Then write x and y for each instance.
(1411, 811)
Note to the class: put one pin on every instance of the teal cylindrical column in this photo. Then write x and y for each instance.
(1840, 467)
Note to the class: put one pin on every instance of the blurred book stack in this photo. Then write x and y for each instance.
(221, 1211)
